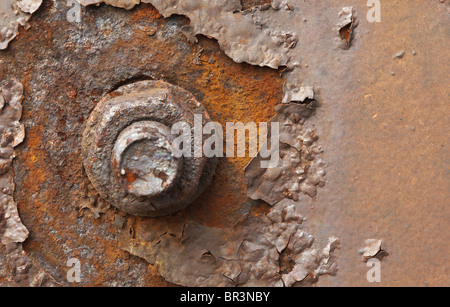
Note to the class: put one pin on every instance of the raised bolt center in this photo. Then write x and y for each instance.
(143, 160)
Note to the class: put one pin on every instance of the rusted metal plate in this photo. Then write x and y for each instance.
(380, 120)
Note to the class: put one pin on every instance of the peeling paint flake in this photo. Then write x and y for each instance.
(249, 40)
(13, 233)
(12, 134)
(248, 254)
(29, 6)
(12, 14)
(372, 249)
(346, 26)
(300, 169)
(294, 93)
(313, 263)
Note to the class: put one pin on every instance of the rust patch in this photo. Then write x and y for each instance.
(53, 189)
(22, 271)
(346, 27)
(370, 153)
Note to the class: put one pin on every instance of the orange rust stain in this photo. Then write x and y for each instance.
(131, 177)
(145, 12)
(72, 94)
(33, 141)
(233, 93)
(261, 209)
(230, 92)
(346, 33)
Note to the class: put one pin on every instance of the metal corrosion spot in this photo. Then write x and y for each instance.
(128, 154)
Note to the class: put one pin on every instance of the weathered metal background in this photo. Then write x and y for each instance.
(382, 123)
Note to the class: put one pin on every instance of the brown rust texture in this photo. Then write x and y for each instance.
(66, 68)
(386, 144)
(248, 4)
(382, 123)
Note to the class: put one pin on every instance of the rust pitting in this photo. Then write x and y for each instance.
(13, 233)
(232, 272)
(242, 267)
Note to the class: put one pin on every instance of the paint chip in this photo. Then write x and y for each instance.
(14, 13)
(372, 249)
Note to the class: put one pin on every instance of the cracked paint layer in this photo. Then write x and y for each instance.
(300, 169)
(248, 254)
(12, 232)
(252, 38)
(14, 13)
(12, 133)
(254, 251)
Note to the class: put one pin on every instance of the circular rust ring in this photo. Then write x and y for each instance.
(126, 153)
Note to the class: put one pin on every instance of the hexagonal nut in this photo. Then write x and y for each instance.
(128, 155)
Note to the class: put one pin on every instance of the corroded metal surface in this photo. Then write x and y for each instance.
(61, 90)
(128, 155)
(13, 233)
(256, 251)
(379, 120)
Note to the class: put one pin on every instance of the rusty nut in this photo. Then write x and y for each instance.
(128, 154)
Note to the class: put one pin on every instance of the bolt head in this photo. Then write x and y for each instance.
(128, 155)
(143, 160)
